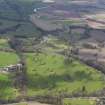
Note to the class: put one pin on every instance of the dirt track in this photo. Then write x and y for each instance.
(35, 103)
(29, 103)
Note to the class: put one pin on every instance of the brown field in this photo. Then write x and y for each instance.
(97, 35)
(96, 25)
(92, 54)
(44, 25)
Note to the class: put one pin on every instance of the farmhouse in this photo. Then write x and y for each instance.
(12, 68)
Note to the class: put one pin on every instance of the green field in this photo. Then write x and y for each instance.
(49, 74)
(79, 102)
(8, 58)
(53, 44)
(7, 91)
(4, 44)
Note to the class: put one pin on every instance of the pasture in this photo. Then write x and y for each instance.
(78, 101)
(49, 74)
(7, 90)
(8, 58)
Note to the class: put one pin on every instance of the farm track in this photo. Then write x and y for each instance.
(73, 98)
(30, 103)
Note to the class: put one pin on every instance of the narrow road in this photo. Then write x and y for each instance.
(28, 103)
(36, 103)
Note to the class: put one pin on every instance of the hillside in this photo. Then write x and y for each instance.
(52, 52)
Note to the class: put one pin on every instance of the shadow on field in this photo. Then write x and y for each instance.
(42, 82)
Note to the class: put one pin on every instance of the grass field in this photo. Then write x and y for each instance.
(53, 44)
(8, 58)
(79, 102)
(7, 91)
(49, 74)
(4, 43)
